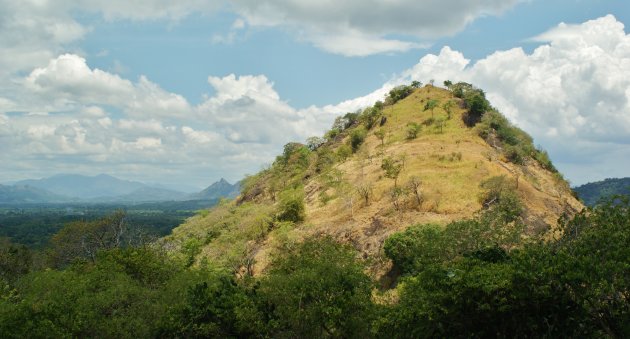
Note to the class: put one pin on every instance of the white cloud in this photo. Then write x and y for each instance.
(359, 28)
(68, 81)
(572, 94)
(356, 44)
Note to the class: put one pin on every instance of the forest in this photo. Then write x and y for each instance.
(99, 281)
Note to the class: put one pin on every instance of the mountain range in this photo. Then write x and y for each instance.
(103, 188)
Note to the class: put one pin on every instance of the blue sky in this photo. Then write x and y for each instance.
(188, 92)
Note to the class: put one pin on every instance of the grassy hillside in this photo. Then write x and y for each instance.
(422, 156)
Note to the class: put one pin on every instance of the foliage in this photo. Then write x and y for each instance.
(380, 134)
(516, 144)
(461, 280)
(448, 108)
(292, 205)
(398, 93)
(344, 152)
(474, 100)
(216, 308)
(357, 136)
(83, 239)
(317, 290)
(431, 105)
(314, 142)
(15, 260)
(371, 115)
(325, 159)
(33, 225)
(392, 167)
(413, 129)
(598, 192)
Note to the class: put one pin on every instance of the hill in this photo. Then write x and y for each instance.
(593, 192)
(424, 156)
(219, 189)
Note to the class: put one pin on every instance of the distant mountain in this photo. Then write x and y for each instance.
(19, 194)
(85, 187)
(220, 189)
(105, 188)
(147, 194)
(593, 192)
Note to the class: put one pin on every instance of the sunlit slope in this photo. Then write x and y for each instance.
(349, 193)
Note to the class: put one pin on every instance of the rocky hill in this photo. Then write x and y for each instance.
(424, 155)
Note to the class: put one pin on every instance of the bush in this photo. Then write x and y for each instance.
(412, 130)
(357, 137)
(292, 205)
(371, 115)
(344, 152)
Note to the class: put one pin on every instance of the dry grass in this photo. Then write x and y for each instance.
(450, 164)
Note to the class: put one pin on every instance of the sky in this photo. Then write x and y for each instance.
(185, 92)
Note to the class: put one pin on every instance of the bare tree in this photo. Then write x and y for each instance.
(365, 191)
(414, 184)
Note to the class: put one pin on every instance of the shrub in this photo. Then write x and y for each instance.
(412, 130)
(344, 152)
(357, 137)
(292, 205)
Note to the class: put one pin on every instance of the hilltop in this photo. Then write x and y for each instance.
(425, 155)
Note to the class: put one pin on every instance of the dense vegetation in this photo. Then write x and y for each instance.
(33, 224)
(475, 278)
(594, 192)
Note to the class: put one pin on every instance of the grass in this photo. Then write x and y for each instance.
(450, 162)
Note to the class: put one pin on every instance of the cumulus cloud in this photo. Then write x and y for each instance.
(572, 93)
(67, 80)
(357, 28)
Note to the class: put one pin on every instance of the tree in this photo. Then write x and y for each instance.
(439, 124)
(392, 168)
(398, 93)
(448, 84)
(380, 134)
(431, 105)
(448, 106)
(416, 84)
(414, 186)
(15, 260)
(84, 239)
(365, 191)
(314, 142)
(371, 115)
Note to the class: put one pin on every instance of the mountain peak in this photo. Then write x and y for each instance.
(218, 189)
